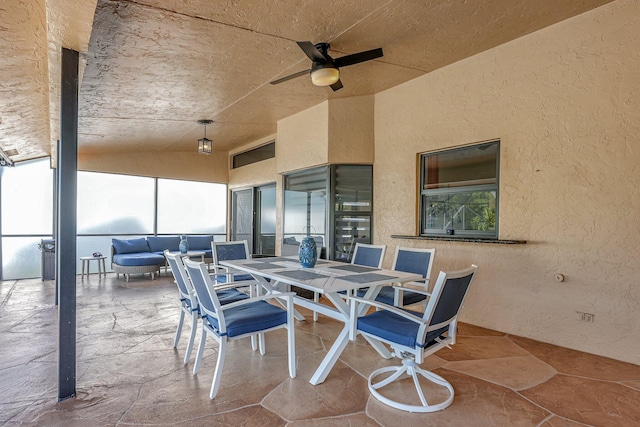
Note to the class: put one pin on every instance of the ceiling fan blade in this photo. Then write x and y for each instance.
(312, 52)
(292, 76)
(337, 85)
(356, 58)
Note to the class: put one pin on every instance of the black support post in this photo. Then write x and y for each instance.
(66, 238)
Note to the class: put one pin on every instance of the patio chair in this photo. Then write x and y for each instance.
(228, 251)
(249, 317)
(189, 302)
(366, 255)
(413, 336)
(410, 260)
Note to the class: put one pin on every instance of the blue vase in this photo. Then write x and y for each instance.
(184, 245)
(308, 252)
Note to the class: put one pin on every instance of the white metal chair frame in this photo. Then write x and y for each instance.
(190, 308)
(220, 269)
(412, 357)
(220, 333)
(382, 248)
(423, 286)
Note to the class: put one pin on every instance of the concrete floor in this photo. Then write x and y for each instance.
(128, 373)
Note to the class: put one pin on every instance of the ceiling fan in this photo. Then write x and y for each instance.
(325, 71)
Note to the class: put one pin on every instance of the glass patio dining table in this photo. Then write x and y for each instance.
(329, 278)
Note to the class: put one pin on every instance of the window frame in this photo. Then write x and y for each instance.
(424, 193)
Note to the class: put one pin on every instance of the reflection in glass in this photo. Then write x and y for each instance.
(110, 204)
(305, 206)
(242, 216)
(266, 221)
(468, 210)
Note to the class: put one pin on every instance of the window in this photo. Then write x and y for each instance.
(190, 207)
(110, 203)
(26, 203)
(305, 206)
(459, 191)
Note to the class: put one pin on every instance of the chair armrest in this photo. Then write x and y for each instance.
(217, 267)
(418, 291)
(231, 285)
(390, 308)
(286, 295)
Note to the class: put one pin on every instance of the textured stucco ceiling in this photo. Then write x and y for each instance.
(154, 67)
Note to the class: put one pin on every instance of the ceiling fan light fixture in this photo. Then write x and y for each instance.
(205, 145)
(325, 75)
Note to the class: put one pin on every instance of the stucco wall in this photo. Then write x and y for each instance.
(301, 140)
(189, 166)
(565, 104)
(350, 138)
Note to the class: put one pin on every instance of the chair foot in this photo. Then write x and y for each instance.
(412, 369)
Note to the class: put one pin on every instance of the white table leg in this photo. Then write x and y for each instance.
(331, 358)
(379, 347)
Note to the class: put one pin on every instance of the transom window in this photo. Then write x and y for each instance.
(459, 191)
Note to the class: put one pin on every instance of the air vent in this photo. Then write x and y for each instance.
(258, 154)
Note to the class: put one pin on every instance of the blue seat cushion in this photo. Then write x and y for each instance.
(222, 278)
(251, 318)
(395, 328)
(160, 243)
(227, 296)
(138, 259)
(130, 246)
(386, 296)
(200, 243)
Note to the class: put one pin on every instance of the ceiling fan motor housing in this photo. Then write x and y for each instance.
(324, 74)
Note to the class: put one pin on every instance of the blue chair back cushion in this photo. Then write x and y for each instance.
(200, 243)
(231, 252)
(413, 262)
(254, 317)
(369, 257)
(394, 328)
(451, 299)
(138, 259)
(160, 243)
(200, 286)
(173, 264)
(130, 246)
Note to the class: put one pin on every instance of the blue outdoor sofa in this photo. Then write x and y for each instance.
(146, 255)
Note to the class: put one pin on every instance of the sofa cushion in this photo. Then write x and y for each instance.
(200, 243)
(160, 243)
(138, 259)
(130, 246)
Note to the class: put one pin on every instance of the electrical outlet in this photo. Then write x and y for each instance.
(586, 317)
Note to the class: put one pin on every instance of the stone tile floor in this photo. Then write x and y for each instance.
(128, 373)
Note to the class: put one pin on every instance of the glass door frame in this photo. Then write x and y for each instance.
(256, 215)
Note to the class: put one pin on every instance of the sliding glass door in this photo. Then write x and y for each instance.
(253, 218)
